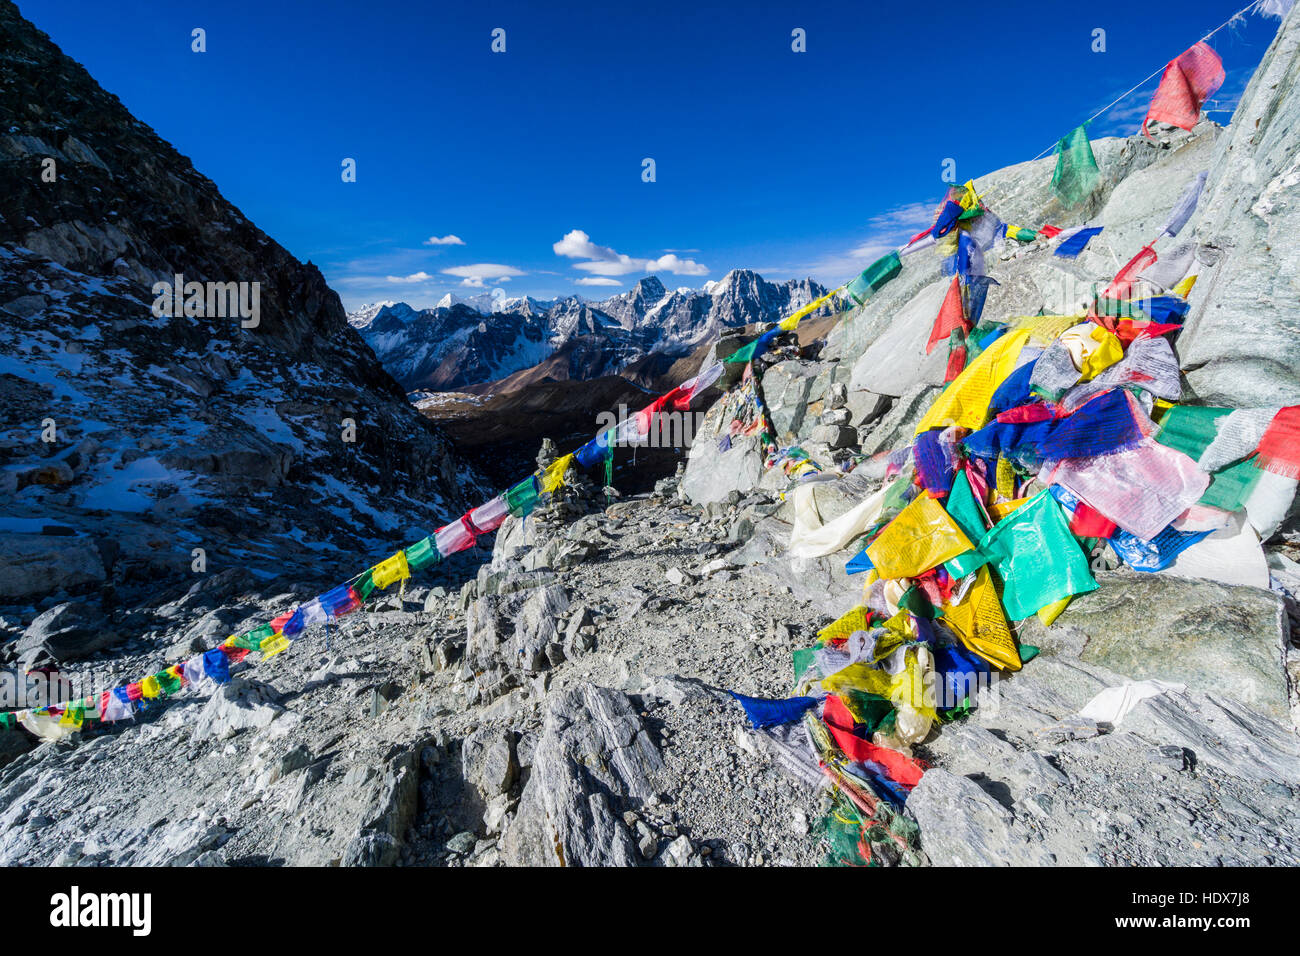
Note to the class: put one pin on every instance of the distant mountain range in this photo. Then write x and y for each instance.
(465, 342)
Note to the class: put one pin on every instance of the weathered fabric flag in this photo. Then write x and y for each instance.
(1186, 204)
(1076, 173)
(1187, 83)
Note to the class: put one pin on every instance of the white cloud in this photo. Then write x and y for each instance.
(412, 278)
(596, 280)
(604, 261)
(678, 267)
(475, 275)
(447, 240)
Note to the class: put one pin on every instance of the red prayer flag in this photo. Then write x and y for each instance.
(950, 317)
(1049, 231)
(1279, 449)
(1187, 83)
(1126, 276)
(901, 768)
(956, 362)
(1130, 329)
(1090, 523)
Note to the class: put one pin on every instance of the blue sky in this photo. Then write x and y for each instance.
(527, 164)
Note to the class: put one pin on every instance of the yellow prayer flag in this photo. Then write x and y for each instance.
(553, 476)
(981, 624)
(854, 620)
(920, 537)
(965, 402)
(392, 569)
(791, 322)
(1001, 509)
(1047, 615)
(149, 687)
(275, 644)
(1184, 286)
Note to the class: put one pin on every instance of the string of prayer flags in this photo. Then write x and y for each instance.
(1188, 81)
(1076, 174)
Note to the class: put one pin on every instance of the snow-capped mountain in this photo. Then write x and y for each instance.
(461, 342)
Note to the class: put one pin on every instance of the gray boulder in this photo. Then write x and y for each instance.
(66, 632)
(593, 756)
(32, 564)
(1228, 641)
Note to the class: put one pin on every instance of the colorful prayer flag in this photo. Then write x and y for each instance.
(1188, 81)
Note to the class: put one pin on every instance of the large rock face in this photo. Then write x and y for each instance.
(128, 440)
(1243, 342)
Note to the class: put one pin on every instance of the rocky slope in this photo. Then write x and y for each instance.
(129, 439)
(460, 344)
(562, 699)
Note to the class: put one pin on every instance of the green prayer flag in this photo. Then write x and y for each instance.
(914, 601)
(1037, 558)
(365, 584)
(1190, 428)
(802, 659)
(964, 510)
(874, 276)
(1230, 487)
(168, 683)
(522, 498)
(1076, 173)
(743, 354)
(422, 554)
(252, 640)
